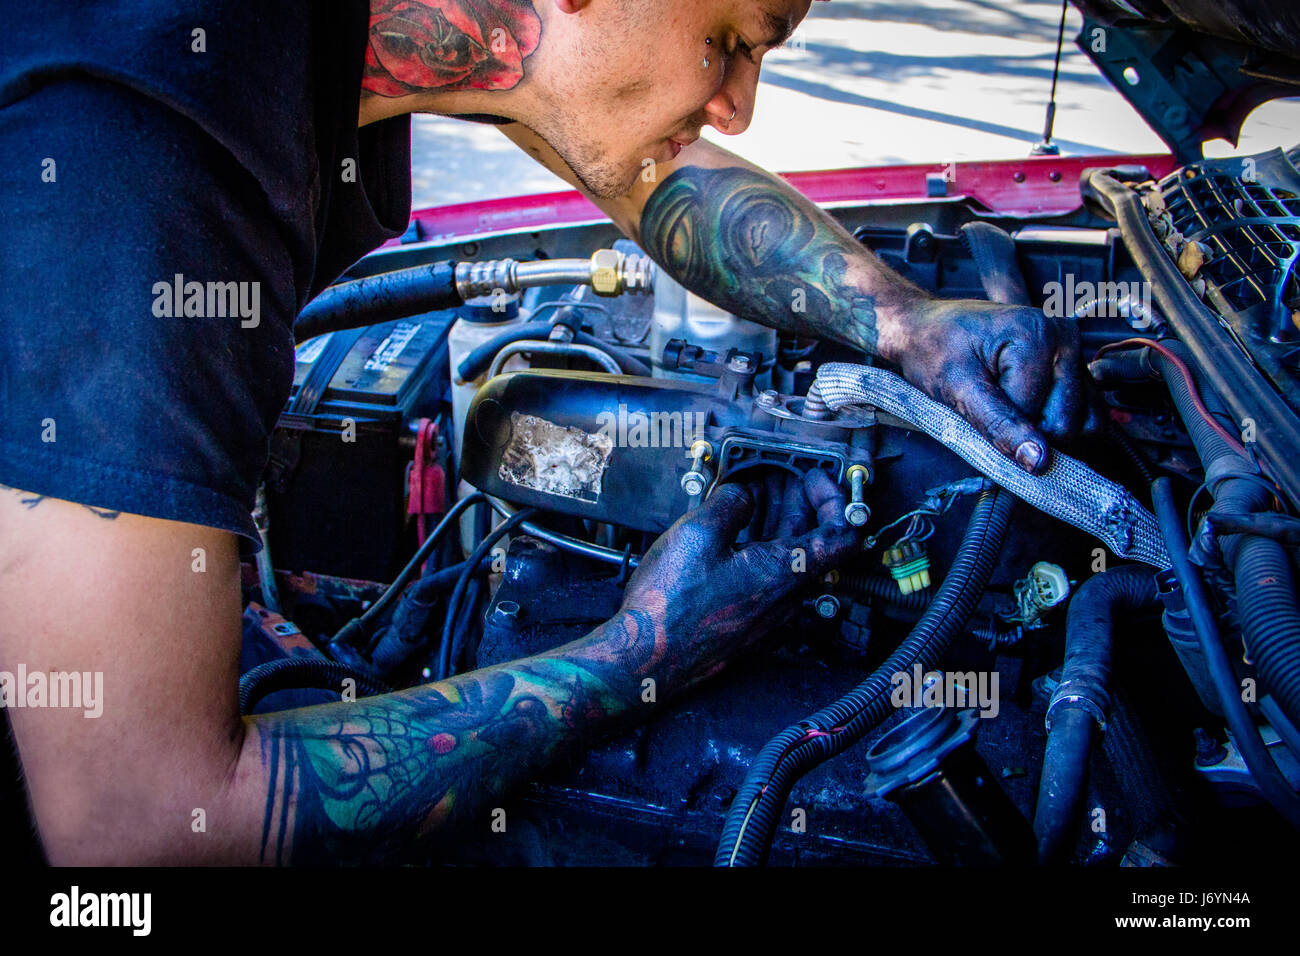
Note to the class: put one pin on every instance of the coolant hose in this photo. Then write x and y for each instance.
(1068, 490)
(1081, 702)
(379, 298)
(1252, 749)
(299, 673)
(752, 819)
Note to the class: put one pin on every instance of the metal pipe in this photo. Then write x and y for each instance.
(538, 346)
(585, 548)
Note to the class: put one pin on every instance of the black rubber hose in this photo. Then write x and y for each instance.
(994, 252)
(1081, 702)
(752, 820)
(1265, 585)
(1252, 749)
(301, 673)
(630, 364)
(479, 360)
(379, 298)
(884, 588)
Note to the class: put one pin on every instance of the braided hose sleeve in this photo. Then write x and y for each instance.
(1068, 490)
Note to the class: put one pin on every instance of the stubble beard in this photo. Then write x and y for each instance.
(601, 178)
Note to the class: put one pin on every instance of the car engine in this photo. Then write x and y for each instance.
(1099, 665)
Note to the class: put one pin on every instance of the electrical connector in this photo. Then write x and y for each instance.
(1046, 587)
(909, 565)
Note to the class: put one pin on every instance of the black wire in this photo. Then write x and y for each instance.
(422, 553)
(359, 626)
(453, 605)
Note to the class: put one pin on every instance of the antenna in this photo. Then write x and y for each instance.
(1047, 147)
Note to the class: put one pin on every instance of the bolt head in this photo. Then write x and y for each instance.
(506, 613)
(767, 398)
(692, 483)
(856, 513)
(827, 606)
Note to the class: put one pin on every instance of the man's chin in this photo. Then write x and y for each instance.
(605, 180)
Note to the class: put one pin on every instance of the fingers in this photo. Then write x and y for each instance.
(1024, 376)
(825, 497)
(774, 494)
(806, 555)
(833, 541)
(724, 515)
(988, 408)
(757, 489)
(795, 514)
(824, 548)
(1065, 408)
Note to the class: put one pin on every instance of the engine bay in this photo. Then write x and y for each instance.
(1099, 666)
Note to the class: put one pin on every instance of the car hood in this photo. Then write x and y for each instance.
(1194, 69)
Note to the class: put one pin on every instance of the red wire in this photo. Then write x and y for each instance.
(802, 740)
(1186, 373)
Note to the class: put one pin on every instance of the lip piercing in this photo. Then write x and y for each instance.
(708, 42)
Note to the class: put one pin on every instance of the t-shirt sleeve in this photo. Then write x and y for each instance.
(146, 309)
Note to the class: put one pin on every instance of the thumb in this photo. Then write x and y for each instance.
(987, 408)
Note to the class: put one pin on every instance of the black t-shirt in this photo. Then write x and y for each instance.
(177, 179)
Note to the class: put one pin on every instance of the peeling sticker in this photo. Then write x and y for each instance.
(556, 459)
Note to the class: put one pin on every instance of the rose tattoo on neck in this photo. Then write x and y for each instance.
(417, 46)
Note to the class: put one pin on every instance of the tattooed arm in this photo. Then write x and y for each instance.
(169, 773)
(748, 242)
(359, 781)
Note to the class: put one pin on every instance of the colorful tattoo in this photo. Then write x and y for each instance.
(753, 247)
(419, 46)
(363, 781)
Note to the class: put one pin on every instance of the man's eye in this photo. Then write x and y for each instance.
(744, 49)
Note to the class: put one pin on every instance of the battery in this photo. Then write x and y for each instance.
(336, 479)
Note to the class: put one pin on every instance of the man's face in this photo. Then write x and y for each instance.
(631, 86)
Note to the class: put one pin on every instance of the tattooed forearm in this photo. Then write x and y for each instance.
(362, 781)
(421, 46)
(758, 249)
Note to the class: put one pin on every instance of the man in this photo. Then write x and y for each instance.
(263, 147)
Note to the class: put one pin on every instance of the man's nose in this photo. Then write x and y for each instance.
(732, 108)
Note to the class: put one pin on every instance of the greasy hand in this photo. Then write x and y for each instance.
(1011, 371)
(709, 596)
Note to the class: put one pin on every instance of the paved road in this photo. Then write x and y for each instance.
(873, 81)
